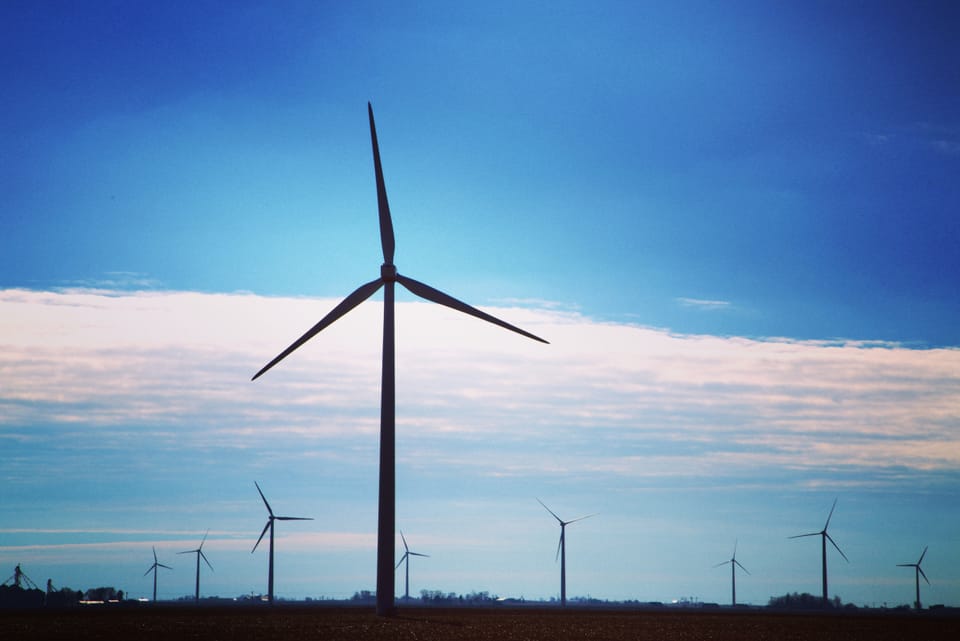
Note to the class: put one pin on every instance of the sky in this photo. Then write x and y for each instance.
(735, 223)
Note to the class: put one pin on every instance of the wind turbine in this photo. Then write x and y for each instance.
(269, 526)
(156, 564)
(824, 536)
(733, 572)
(918, 573)
(386, 526)
(199, 553)
(562, 549)
(406, 558)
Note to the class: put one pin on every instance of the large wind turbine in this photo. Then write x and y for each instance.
(388, 278)
(733, 573)
(156, 564)
(199, 553)
(269, 526)
(406, 558)
(918, 573)
(824, 536)
(562, 549)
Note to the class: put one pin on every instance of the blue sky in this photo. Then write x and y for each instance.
(736, 224)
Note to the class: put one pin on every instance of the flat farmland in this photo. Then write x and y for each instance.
(171, 623)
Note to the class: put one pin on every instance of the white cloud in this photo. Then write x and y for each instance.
(629, 399)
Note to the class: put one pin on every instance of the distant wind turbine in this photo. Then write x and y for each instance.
(199, 553)
(824, 536)
(562, 549)
(153, 568)
(918, 572)
(386, 526)
(733, 573)
(406, 558)
(269, 526)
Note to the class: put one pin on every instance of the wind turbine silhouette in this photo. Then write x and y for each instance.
(406, 557)
(199, 553)
(733, 572)
(269, 526)
(562, 549)
(918, 573)
(156, 564)
(824, 536)
(386, 522)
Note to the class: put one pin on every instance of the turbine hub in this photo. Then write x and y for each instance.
(388, 272)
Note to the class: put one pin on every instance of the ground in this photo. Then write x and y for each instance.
(169, 623)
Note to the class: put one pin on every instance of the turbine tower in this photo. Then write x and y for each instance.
(269, 526)
(733, 573)
(199, 553)
(406, 558)
(386, 526)
(153, 568)
(824, 536)
(917, 573)
(562, 550)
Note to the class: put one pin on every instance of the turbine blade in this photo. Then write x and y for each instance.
(559, 545)
(418, 554)
(549, 510)
(293, 518)
(188, 552)
(264, 498)
(265, 528)
(386, 223)
(400, 562)
(582, 517)
(429, 293)
(829, 516)
(719, 564)
(922, 555)
(797, 536)
(204, 540)
(837, 546)
(161, 565)
(205, 559)
(741, 566)
(149, 569)
(403, 538)
(359, 295)
(920, 569)
(906, 565)
(155, 553)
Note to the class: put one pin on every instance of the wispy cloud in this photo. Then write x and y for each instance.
(111, 281)
(705, 304)
(943, 138)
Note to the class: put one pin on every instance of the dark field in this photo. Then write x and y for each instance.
(439, 624)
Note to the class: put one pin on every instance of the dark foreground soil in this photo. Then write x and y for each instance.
(435, 624)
